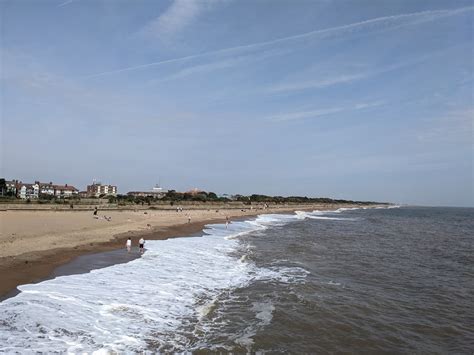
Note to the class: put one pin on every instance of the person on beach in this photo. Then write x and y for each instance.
(95, 211)
(141, 245)
(189, 219)
(128, 244)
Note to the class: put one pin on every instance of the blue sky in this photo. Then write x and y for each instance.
(367, 100)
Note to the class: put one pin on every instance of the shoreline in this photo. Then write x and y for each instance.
(40, 265)
(20, 270)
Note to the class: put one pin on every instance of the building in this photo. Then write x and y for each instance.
(28, 191)
(97, 190)
(156, 192)
(63, 191)
(46, 188)
(38, 189)
(60, 191)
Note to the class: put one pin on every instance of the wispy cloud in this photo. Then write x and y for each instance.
(292, 116)
(220, 64)
(379, 23)
(67, 2)
(301, 115)
(315, 84)
(179, 15)
(320, 83)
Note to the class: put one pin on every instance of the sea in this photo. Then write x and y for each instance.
(378, 280)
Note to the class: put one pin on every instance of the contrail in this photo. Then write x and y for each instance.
(432, 15)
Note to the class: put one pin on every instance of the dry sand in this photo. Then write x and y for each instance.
(33, 243)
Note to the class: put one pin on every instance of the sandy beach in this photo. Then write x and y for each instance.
(34, 243)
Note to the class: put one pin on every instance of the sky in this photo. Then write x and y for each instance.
(363, 100)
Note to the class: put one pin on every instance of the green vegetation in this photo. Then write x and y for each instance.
(174, 197)
(4, 193)
(201, 196)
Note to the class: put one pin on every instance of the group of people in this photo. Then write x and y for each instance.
(141, 245)
(141, 242)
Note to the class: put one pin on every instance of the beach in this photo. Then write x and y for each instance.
(371, 279)
(35, 242)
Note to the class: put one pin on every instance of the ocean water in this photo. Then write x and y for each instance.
(398, 280)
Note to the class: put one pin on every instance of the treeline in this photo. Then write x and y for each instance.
(175, 197)
(171, 196)
(296, 199)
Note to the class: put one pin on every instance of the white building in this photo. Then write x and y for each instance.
(56, 190)
(46, 188)
(28, 191)
(97, 189)
(65, 191)
(156, 192)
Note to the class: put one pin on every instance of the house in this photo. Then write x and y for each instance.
(46, 188)
(156, 192)
(97, 189)
(28, 191)
(51, 189)
(65, 191)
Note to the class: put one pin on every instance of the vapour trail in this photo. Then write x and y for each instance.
(429, 15)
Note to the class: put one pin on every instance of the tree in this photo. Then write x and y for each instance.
(212, 196)
(3, 187)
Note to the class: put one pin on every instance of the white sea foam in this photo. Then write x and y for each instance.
(325, 215)
(139, 305)
(151, 302)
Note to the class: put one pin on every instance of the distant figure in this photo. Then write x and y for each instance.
(141, 245)
(226, 221)
(189, 219)
(128, 244)
(95, 211)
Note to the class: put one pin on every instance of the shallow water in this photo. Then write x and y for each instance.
(374, 280)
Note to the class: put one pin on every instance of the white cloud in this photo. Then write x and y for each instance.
(301, 115)
(220, 64)
(179, 15)
(324, 82)
(315, 84)
(67, 2)
(293, 116)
